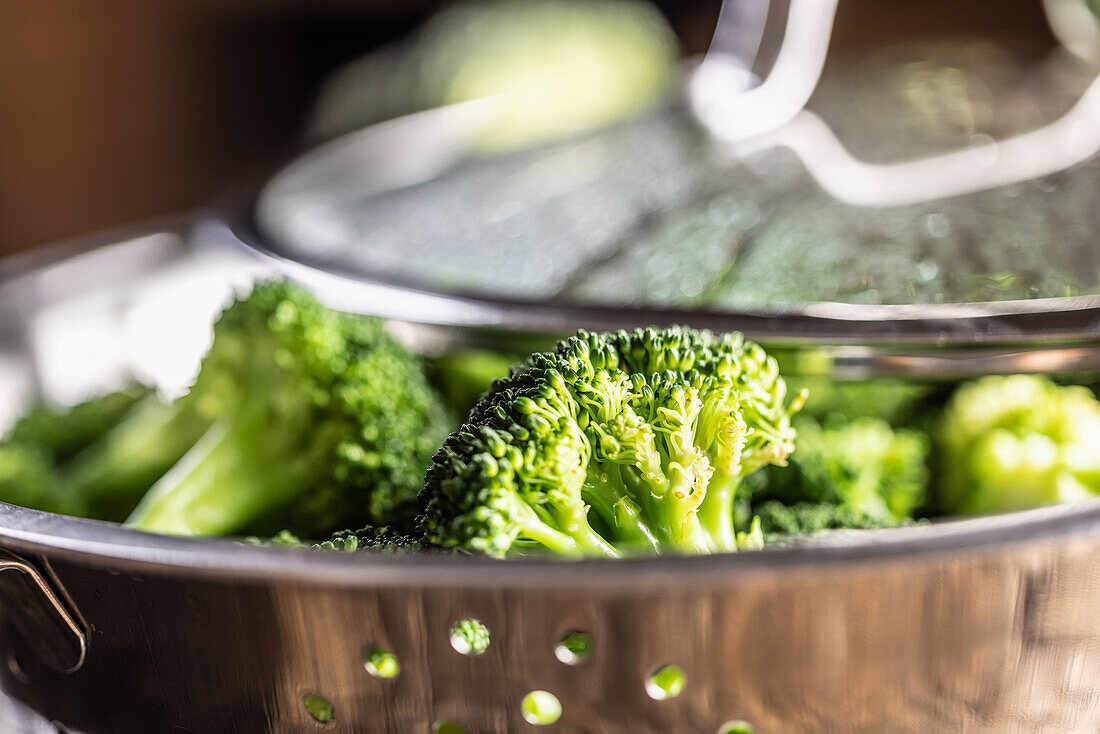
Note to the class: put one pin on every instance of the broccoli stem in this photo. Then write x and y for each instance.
(109, 477)
(579, 541)
(238, 471)
(613, 504)
(716, 511)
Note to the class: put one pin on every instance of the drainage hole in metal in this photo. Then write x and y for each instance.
(574, 647)
(381, 663)
(666, 682)
(541, 708)
(319, 708)
(470, 637)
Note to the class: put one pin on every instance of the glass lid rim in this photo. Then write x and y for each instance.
(1060, 319)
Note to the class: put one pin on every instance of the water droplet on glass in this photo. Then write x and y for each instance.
(937, 225)
(927, 270)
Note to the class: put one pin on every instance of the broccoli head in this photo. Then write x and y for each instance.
(897, 402)
(610, 444)
(779, 522)
(1009, 443)
(318, 420)
(374, 539)
(28, 479)
(54, 445)
(62, 432)
(863, 465)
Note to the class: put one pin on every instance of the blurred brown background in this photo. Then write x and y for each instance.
(113, 111)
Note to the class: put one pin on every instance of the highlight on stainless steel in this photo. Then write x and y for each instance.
(721, 92)
(986, 164)
(1077, 27)
(750, 116)
(47, 627)
(896, 630)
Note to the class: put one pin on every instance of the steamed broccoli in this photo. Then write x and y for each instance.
(374, 539)
(1009, 443)
(42, 451)
(863, 465)
(550, 69)
(780, 522)
(62, 432)
(318, 420)
(110, 476)
(368, 539)
(895, 401)
(651, 430)
(463, 375)
(28, 479)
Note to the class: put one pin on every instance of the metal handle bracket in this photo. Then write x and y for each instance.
(40, 615)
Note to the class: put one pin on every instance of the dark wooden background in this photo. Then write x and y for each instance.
(114, 111)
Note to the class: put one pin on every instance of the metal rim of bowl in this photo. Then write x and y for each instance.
(91, 542)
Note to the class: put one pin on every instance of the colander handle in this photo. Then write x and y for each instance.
(40, 615)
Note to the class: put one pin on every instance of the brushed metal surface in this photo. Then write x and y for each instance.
(980, 626)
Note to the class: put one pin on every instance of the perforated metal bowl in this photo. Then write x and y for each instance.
(985, 625)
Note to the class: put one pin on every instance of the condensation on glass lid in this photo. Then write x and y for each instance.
(650, 213)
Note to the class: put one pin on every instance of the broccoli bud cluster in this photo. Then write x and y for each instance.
(611, 444)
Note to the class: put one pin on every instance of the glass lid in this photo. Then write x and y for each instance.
(925, 180)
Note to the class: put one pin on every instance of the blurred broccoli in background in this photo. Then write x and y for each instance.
(1009, 443)
(872, 474)
(62, 432)
(317, 420)
(897, 402)
(28, 479)
(461, 376)
(45, 458)
(780, 522)
(552, 68)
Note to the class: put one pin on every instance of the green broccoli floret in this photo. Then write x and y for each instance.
(28, 479)
(894, 401)
(369, 539)
(781, 522)
(374, 539)
(463, 375)
(863, 465)
(62, 432)
(75, 443)
(318, 420)
(1009, 443)
(110, 476)
(651, 430)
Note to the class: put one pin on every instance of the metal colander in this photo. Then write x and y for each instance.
(983, 625)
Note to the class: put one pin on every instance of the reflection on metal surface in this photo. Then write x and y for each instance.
(987, 640)
(733, 110)
(737, 109)
(1072, 139)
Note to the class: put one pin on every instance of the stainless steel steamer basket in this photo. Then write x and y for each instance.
(983, 625)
